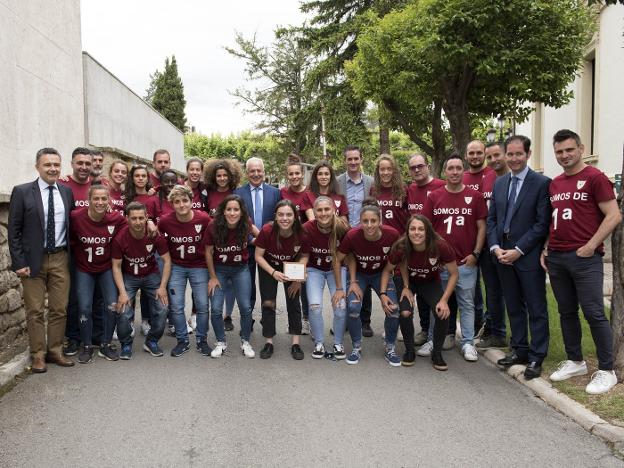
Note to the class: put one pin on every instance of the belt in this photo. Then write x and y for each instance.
(57, 250)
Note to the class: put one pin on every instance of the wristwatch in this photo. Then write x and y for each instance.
(476, 254)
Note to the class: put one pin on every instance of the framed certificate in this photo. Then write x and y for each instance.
(295, 271)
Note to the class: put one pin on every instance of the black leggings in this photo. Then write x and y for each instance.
(430, 292)
(268, 295)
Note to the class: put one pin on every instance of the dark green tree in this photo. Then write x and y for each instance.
(151, 89)
(168, 95)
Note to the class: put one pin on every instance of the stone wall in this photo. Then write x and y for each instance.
(13, 338)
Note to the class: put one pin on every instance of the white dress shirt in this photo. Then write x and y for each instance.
(60, 234)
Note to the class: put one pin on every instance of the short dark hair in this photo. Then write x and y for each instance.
(453, 155)
(526, 142)
(565, 134)
(133, 206)
(352, 148)
(97, 153)
(160, 151)
(495, 143)
(43, 151)
(81, 150)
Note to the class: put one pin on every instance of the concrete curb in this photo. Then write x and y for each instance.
(13, 368)
(588, 420)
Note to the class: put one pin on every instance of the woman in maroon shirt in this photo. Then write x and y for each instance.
(389, 190)
(279, 241)
(221, 177)
(194, 173)
(421, 254)
(117, 177)
(137, 188)
(323, 182)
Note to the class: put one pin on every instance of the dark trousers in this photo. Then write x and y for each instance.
(268, 295)
(367, 306)
(578, 281)
(251, 263)
(430, 293)
(494, 299)
(424, 312)
(304, 302)
(452, 325)
(525, 298)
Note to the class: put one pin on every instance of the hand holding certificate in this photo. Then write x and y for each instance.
(295, 271)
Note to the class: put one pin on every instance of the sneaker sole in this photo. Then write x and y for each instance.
(147, 350)
(407, 363)
(102, 355)
(470, 359)
(423, 355)
(569, 376)
(353, 363)
(393, 364)
(73, 353)
(125, 358)
(314, 356)
(439, 367)
(340, 357)
(85, 362)
(178, 355)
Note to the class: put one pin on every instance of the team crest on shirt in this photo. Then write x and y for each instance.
(580, 184)
(385, 249)
(198, 228)
(296, 248)
(111, 229)
(467, 200)
(149, 247)
(428, 192)
(433, 261)
(337, 203)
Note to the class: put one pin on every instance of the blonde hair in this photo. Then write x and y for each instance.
(339, 227)
(179, 191)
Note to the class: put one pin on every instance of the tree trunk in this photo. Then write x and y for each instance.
(459, 123)
(438, 140)
(617, 299)
(384, 139)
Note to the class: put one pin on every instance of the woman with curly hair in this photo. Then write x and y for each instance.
(389, 190)
(226, 257)
(323, 182)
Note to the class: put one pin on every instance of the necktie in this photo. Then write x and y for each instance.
(511, 201)
(50, 235)
(258, 208)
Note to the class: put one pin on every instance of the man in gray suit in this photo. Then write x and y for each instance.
(355, 186)
(38, 242)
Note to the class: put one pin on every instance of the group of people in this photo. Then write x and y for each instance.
(423, 246)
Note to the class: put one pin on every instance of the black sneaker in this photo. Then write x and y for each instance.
(296, 352)
(202, 347)
(181, 348)
(71, 348)
(339, 352)
(86, 355)
(108, 353)
(492, 341)
(438, 361)
(408, 358)
(367, 331)
(227, 323)
(267, 351)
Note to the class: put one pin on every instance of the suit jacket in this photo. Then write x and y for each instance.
(530, 219)
(27, 225)
(342, 184)
(271, 196)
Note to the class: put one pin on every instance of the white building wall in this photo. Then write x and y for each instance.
(117, 118)
(41, 99)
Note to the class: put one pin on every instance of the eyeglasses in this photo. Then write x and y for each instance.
(420, 167)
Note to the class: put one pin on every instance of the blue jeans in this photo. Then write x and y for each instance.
(315, 284)
(465, 293)
(198, 279)
(148, 286)
(354, 322)
(85, 286)
(240, 280)
(229, 300)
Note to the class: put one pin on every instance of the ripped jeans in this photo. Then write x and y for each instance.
(354, 306)
(315, 285)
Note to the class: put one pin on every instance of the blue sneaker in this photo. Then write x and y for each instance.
(153, 348)
(392, 357)
(126, 351)
(354, 357)
(181, 348)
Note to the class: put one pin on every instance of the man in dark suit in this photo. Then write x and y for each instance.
(38, 242)
(260, 200)
(517, 227)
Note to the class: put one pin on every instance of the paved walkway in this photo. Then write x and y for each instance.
(197, 411)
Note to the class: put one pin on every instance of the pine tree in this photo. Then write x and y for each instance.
(168, 97)
(149, 92)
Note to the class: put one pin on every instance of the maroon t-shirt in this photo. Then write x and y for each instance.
(137, 255)
(488, 185)
(198, 203)
(159, 209)
(454, 217)
(423, 268)
(117, 200)
(340, 202)
(416, 195)
(185, 239)
(320, 255)
(148, 201)
(214, 200)
(80, 191)
(475, 180)
(370, 255)
(289, 249)
(394, 213)
(576, 215)
(298, 199)
(91, 240)
(232, 253)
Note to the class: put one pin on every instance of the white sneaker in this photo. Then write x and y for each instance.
(219, 349)
(470, 353)
(449, 342)
(425, 350)
(192, 322)
(171, 330)
(145, 327)
(247, 350)
(568, 369)
(602, 381)
(132, 332)
(305, 327)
